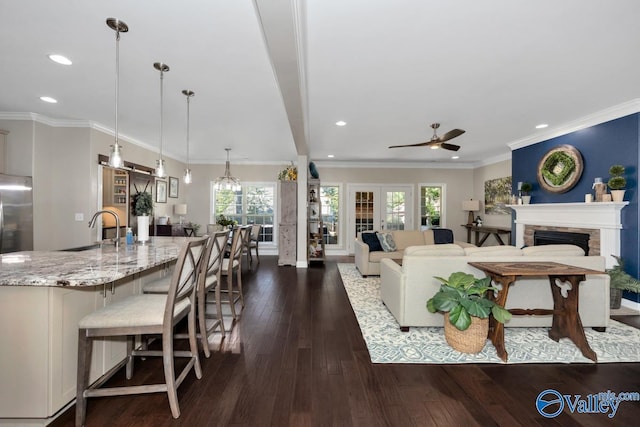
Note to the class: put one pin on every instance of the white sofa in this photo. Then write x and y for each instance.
(368, 263)
(405, 289)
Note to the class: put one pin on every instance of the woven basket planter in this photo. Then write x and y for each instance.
(615, 298)
(472, 340)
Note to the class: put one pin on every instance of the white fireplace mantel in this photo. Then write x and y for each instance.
(604, 216)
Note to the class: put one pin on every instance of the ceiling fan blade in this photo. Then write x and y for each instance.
(451, 147)
(422, 144)
(451, 134)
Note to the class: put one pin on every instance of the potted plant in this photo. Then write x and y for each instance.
(525, 191)
(463, 298)
(620, 281)
(224, 221)
(142, 206)
(617, 182)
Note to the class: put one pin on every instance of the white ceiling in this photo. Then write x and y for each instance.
(272, 77)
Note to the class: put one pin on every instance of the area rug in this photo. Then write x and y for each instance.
(387, 344)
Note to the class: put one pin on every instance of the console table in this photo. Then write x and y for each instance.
(487, 231)
(566, 319)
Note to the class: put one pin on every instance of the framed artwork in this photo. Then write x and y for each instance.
(560, 169)
(161, 191)
(173, 187)
(497, 195)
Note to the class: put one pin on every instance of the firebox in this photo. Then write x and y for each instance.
(547, 237)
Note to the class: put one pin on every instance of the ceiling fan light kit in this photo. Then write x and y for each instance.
(437, 142)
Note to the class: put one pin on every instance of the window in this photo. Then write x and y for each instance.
(431, 197)
(330, 199)
(254, 204)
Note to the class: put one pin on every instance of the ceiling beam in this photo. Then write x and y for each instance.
(282, 24)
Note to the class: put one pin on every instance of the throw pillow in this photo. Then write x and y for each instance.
(371, 239)
(387, 242)
(442, 236)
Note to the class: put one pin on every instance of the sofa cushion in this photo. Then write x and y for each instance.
(406, 238)
(447, 249)
(387, 242)
(442, 235)
(491, 251)
(378, 256)
(371, 239)
(553, 250)
(428, 237)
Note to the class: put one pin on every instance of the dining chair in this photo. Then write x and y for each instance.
(254, 237)
(188, 231)
(233, 264)
(143, 314)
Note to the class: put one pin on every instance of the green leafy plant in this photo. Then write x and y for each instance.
(617, 180)
(558, 167)
(619, 279)
(142, 201)
(224, 221)
(462, 295)
(526, 188)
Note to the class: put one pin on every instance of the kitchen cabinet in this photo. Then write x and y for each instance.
(39, 351)
(115, 187)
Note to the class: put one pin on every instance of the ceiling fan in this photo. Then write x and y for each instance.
(438, 141)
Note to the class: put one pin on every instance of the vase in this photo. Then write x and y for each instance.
(617, 195)
(526, 200)
(472, 340)
(143, 228)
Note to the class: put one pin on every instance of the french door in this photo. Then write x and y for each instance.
(379, 207)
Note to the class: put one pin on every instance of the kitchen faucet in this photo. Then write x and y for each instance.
(92, 223)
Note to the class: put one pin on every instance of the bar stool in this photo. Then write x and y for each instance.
(139, 315)
(233, 264)
(208, 279)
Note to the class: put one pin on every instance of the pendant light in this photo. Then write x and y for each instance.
(163, 68)
(187, 171)
(115, 157)
(227, 182)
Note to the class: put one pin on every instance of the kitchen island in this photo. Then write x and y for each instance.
(43, 295)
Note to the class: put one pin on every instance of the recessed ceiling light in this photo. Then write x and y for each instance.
(331, 156)
(542, 126)
(434, 147)
(341, 123)
(60, 59)
(49, 99)
(455, 157)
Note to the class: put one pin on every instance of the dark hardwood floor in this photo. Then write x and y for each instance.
(296, 357)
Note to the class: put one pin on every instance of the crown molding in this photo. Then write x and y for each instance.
(611, 113)
(394, 165)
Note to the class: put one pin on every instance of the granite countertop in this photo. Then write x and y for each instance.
(90, 267)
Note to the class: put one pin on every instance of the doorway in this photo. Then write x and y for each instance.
(379, 207)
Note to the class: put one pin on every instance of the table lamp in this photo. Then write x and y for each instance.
(471, 206)
(181, 210)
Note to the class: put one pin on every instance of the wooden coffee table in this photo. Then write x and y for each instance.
(566, 319)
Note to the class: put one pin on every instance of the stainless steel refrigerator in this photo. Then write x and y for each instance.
(16, 213)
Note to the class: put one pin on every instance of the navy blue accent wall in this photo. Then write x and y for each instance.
(603, 145)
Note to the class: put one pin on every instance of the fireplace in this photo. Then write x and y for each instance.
(600, 220)
(550, 237)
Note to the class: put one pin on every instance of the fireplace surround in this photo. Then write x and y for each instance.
(600, 220)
